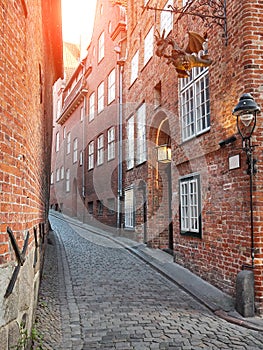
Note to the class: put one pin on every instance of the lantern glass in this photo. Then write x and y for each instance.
(164, 154)
(247, 118)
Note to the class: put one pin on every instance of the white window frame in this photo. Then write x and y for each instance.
(111, 86)
(101, 97)
(130, 143)
(100, 207)
(129, 208)
(68, 142)
(57, 175)
(62, 172)
(195, 103)
(185, 2)
(148, 45)
(57, 141)
(166, 21)
(134, 67)
(100, 149)
(101, 46)
(111, 143)
(91, 106)
(91, 155)
(190, 205)
(75, 150)
(52, 178)
(64, 132)
(141, 144)
(68, 180)
(81, 158)
(82, 113)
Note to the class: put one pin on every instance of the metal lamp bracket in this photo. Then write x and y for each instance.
(210, 11)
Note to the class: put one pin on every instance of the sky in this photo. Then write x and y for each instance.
(77, 20)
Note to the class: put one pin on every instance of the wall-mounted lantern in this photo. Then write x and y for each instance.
(246, 117)
(246, 112)
(164, 154)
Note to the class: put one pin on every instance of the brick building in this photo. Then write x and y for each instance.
(87, 148)
(30, 63)
(71, 59)
(197, 206)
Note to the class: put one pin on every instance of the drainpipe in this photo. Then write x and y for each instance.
(83, 92)
(120, 63)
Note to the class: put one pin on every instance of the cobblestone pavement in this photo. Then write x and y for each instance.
(110, 299)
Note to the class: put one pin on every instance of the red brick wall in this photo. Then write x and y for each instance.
(27, 72)
(225, 244)
(101, 182)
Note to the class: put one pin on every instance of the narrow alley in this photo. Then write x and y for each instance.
(97, 295)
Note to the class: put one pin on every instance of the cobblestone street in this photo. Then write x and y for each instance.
(97, 295)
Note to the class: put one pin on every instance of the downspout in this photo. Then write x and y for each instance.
(120, 64)
(83, 92)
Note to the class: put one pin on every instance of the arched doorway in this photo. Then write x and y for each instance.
(161, 136)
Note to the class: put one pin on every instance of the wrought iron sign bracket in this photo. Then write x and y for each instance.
(20, 257)
(210, 11)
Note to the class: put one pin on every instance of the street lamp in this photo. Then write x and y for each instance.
(246, 113)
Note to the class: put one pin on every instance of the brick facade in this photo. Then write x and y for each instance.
(218, 245)
(92, 193)
(29, 65)
(224, 245)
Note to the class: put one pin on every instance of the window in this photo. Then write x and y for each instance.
(157, 95)
(148, 46)
(100, 150)
(75, 150)
(91, 106)
(111, 86)
(59, 107)
(68, 142)
(130, 143)
(129, 208)
(90, 207)
(57, 141)
(52, 178)
(81, 114)
(91, 155)
(100, 208)
(67, 180)
(101, 47)
(134, 67)
(110, 27)
(111, 143)
(64, 132)
(195, 105)
(57, 174)
(62, 172)
(185, 2)
(167, 19)
(111, 206)
(141, 135)
(190, 212)
(81, 158)
(101, 97)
